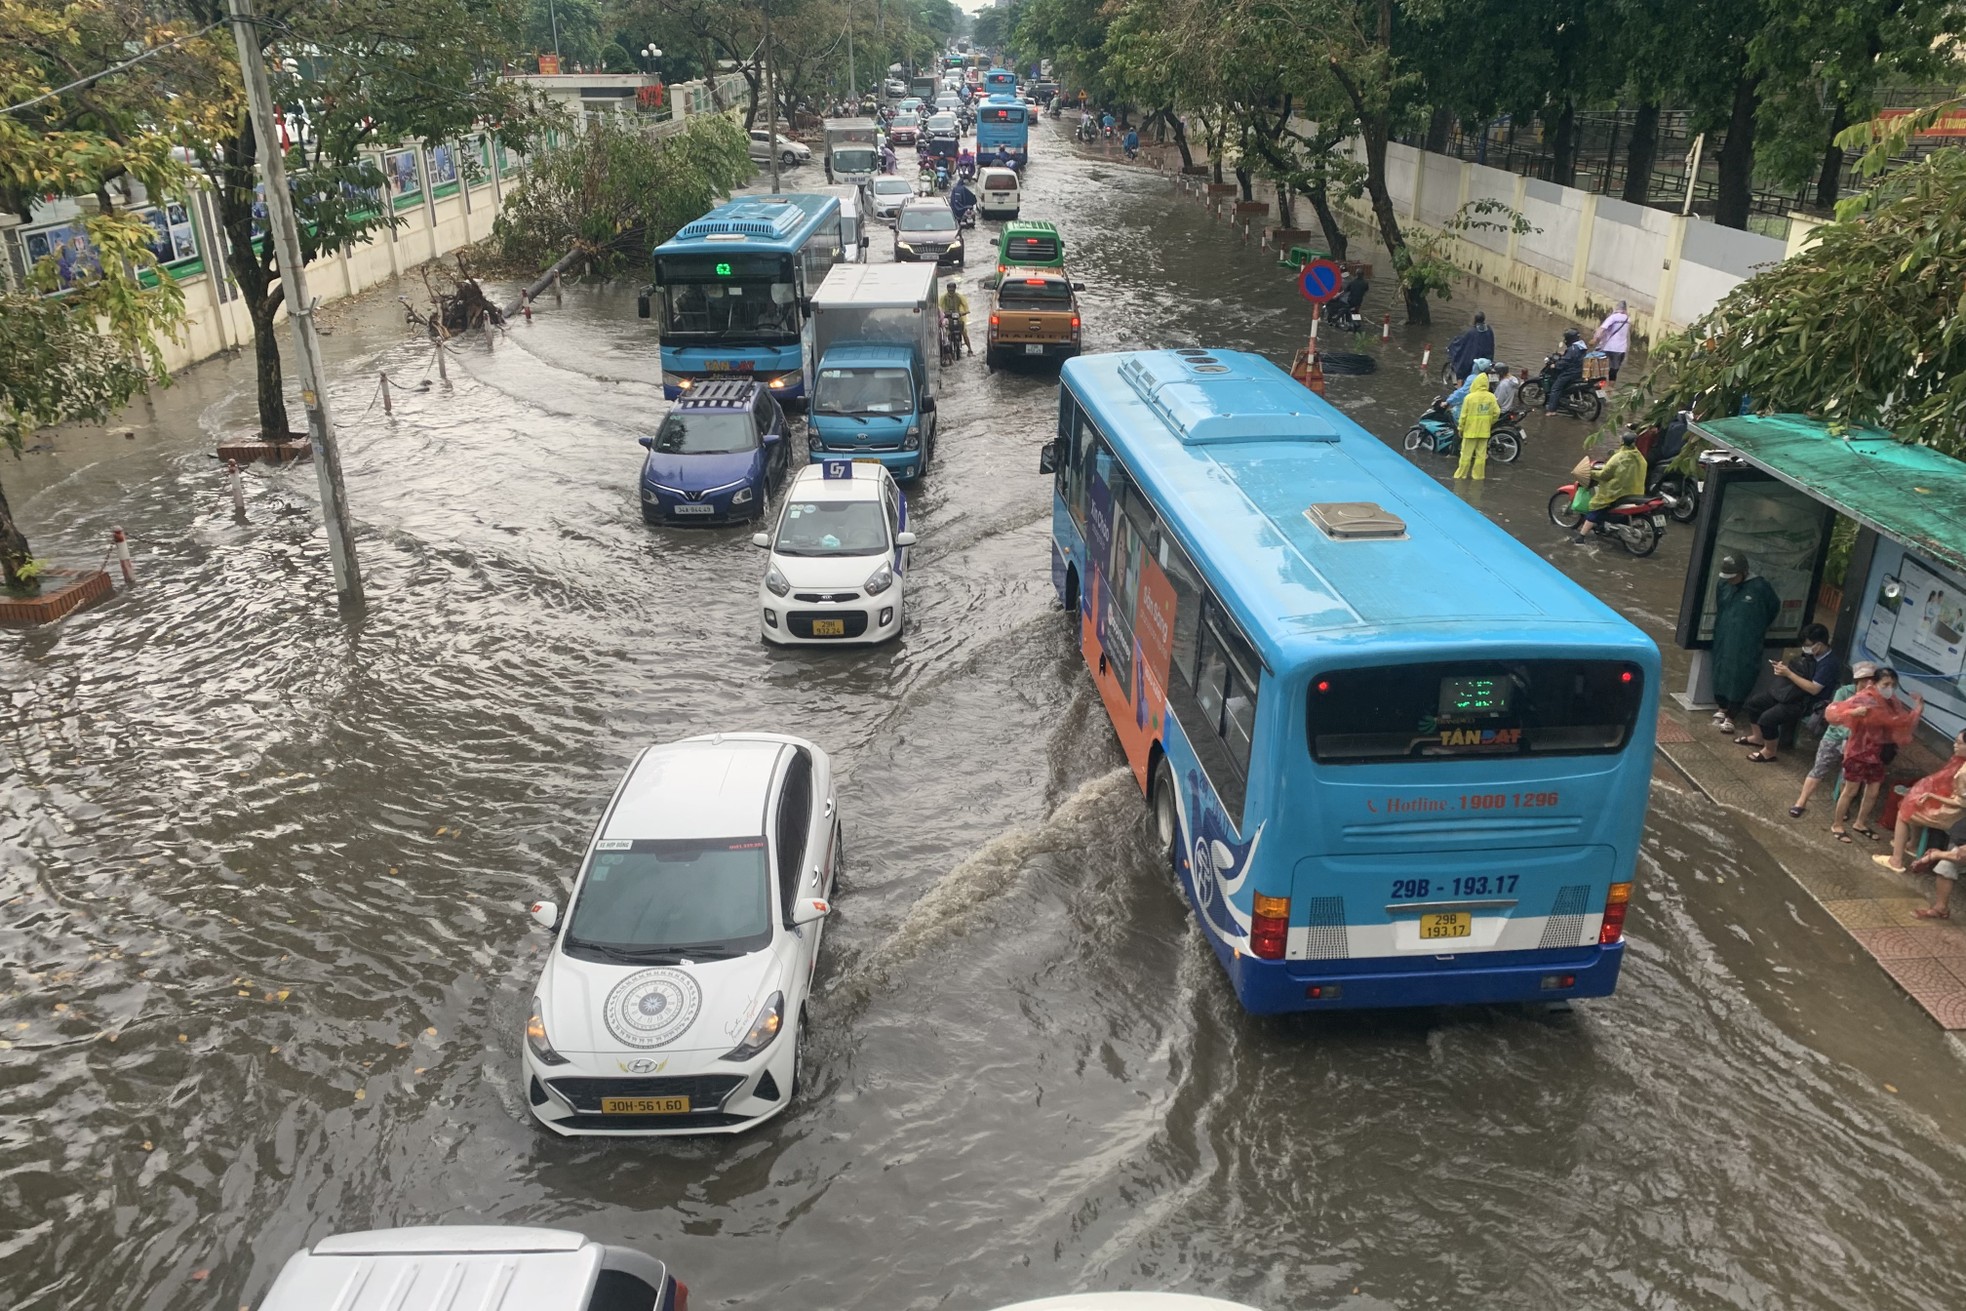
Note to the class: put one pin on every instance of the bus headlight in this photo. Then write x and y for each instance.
(880, 580)
(775, 582)
(786, 379)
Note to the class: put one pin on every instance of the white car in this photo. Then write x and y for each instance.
(790, 152)
(673, 998)
(839, 557)
(485, 1267)
(886, 194)
(997, 193)
(896, 88)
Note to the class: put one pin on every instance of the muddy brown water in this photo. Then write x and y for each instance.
(265, 958)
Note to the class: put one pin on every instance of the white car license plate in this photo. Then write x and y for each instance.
(1034, 349)
(696, 509)
(1659, 520)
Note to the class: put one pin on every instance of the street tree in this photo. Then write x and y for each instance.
(86, 332)
(350, 79)
(615, 192)
(1859, 327)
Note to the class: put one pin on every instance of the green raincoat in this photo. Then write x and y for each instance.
(1741, 615)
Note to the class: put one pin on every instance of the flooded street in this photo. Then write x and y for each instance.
(265, 960)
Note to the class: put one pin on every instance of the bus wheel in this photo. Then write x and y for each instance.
(1072, 592)
(1167, 820)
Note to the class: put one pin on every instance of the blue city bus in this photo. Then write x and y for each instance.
(732, 288)
(1393, 757)
(1005, 123)
(1000, 84)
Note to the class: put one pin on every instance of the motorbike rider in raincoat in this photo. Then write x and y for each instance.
(1622, 475)
(1478, 414)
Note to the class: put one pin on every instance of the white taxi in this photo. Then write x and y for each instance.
(673, 998)
(997, 193)
(839, 557)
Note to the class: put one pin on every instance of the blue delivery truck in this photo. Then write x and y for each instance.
(876, 353)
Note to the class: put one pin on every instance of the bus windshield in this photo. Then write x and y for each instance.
(1473, 708)
(752, 311)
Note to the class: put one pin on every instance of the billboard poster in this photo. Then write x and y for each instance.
(1783, 532)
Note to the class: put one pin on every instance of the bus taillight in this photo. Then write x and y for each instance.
(1615, 903)
(1269, 927)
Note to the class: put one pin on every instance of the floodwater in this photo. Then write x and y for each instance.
(265, 957)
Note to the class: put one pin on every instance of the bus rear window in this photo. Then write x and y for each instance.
(1473, 708)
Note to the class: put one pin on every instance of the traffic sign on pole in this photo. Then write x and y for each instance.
(1319, 280)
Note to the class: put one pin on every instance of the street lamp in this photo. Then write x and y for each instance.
(653, 53)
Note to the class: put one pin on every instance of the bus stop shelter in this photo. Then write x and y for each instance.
(1902, 601)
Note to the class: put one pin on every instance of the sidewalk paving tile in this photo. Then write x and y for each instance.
(1895, 943)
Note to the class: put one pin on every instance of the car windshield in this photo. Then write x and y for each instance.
(893, 187)
(706, 434)
(1000, 180)
(927, 219)
(1034, 293)
(668, 899)
(832, 528)
(864, 391)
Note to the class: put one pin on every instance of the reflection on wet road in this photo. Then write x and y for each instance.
(266, 959)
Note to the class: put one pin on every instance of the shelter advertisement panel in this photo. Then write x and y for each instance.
(1912, 617)
(1784, 533)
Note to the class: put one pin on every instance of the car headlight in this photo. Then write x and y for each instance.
(763, 1029)
(880, 580)
(902, 245)
(648, 494)
(775, 582)
(536, 1041)
(787, 379)
(742, 496)
(913, 441)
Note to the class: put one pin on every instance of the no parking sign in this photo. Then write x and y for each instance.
(1319, 280)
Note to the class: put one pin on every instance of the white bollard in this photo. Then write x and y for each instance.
(238, 490)
(1317, 312)
(388, 407)
(123, 556)
(1386, 329)
(1426, 355)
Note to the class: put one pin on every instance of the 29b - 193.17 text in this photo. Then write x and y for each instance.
(1473, 885)
(1507, 800)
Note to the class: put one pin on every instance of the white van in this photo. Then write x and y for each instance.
(853, 219)
(997, 195)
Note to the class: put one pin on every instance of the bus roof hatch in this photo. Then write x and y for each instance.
(1203, 400)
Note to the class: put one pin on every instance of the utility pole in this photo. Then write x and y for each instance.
(771, 103)
(553, 16)
(852, 82)
(285, 231)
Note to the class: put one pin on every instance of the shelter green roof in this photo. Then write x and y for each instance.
(1913, 494)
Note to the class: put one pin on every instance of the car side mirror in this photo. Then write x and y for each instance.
(642, 305)
(805, 304)
(928, 405)
(648, 442)
(1048, 457)
(989, 282)
(904, 538)
(863, 243)
(808, 909)
(1078, 286)
(762, 540)
(546, 914)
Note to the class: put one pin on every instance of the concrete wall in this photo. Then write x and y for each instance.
(1585, 252)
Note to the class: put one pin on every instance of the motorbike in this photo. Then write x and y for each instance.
(1582, 400)
(952, 337)
(1336, 314)
(1086, 132)
(966, 216)
(1635, 523)
(941, 175)
(967, 170)
(1680, 492)
(1132, 153)
(1436, 431)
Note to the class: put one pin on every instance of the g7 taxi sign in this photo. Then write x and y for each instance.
(836, 470)
(1319, 280)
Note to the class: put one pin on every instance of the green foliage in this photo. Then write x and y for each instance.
(616, 192)
(1867, 325)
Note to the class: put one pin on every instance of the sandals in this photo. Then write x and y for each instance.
(1882, 859)
(1869, 834)
(1932, 913)
(1746, 742)
(1762, 758)
(1841, 835)
(1797, 812)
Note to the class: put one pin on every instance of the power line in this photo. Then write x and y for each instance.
(114, 68)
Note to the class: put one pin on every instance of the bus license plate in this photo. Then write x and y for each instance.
(696, 509)
(829, 628)
(644, 1106)
(1034, 349)
(1451, 924)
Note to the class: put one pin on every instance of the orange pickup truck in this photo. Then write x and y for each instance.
(1034, 314)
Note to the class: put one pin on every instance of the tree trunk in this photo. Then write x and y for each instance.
(1438, 125)
(1181, 140)
(1286, 211)
(1829, 182)
(1376, 130)
(13, 546)
(1335, 239)
(1642, 153)
(1563, 145)
(1246, 181)
(234, 181)
(1734, 194)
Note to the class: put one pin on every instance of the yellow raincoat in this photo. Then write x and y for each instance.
(1478, 414)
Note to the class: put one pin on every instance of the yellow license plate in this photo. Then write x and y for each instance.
(1451, 924)
(644, 1106)
(865, 459)
(829, 628)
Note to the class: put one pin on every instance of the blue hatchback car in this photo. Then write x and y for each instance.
(716, 457)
